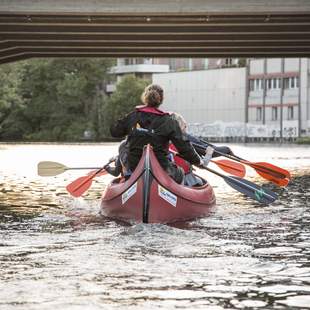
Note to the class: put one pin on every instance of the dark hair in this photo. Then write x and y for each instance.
(153, 95)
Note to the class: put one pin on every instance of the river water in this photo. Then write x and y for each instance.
(56, 252)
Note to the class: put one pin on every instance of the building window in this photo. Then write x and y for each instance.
(269, 83)
(228, 61)
(256, 84)
(251, 85)
(274, 83)
(259, 114)
(130, 61)
(291, 83)
(286, 83)
(148, 61)
(290, 113)
(172, 64)
(274, 114)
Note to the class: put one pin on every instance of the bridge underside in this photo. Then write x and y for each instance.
(137, 33)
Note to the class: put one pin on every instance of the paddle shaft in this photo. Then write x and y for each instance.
(81, 168)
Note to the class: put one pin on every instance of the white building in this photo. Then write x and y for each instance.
(279, 96)
(145, 67)
(267, 100)
(213, 102)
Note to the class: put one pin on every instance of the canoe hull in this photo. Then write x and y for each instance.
(150, 196)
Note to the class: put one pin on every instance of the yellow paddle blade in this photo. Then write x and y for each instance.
(50, 168)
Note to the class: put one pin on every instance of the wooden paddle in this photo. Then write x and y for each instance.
(78, 186)
(51, 168)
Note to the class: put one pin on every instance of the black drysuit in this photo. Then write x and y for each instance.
(161, 129)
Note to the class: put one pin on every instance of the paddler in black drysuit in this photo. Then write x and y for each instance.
(148, 124)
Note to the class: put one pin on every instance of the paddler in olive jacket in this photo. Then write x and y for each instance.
(148, 124)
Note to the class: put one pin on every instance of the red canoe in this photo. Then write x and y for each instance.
(151, 196)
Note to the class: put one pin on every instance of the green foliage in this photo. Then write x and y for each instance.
(124, 99)
(52, 99)
(10, 97)
(303, 140)
(242, 62)
(59, 99)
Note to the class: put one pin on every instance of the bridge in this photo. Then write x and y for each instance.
(161, 28)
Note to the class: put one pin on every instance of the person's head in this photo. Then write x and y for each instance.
(180, 119)
(153, 96)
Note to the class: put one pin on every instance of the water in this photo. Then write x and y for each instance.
(57, 252)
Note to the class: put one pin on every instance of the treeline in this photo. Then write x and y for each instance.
(62, 99)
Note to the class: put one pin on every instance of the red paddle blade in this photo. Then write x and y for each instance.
(269, 171)
(79, 186)
(276, 181)
(280, 182)
(230, 167)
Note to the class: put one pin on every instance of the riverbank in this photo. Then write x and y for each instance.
(258, 141)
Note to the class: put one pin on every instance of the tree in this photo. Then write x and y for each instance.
(123, 100)
(69, 97)
(10, 98)
(55, 99)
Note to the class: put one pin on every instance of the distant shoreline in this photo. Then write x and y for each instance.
(296, 143)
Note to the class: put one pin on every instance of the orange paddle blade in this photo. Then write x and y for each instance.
(268, 170)
(271, 178)
(280, 182)
(79, 186)
(231, 167)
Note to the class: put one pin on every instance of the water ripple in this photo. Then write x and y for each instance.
(57, 252)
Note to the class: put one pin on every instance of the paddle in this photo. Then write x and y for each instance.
(228, 166)
(79, 186)
(51, 168)
(270, 172)
(246, 187)
(249, 189)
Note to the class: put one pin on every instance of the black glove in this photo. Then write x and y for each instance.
(111, 170)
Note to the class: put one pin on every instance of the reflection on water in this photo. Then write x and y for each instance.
(55, 251)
